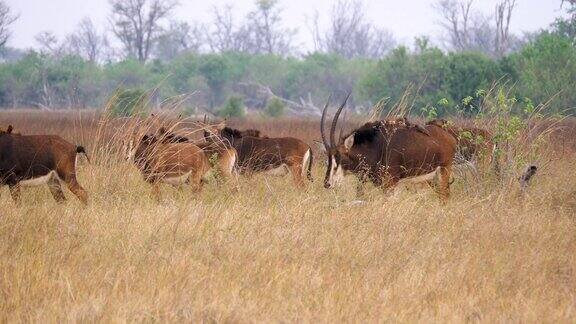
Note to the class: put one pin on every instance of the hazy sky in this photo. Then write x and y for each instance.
(406, 19)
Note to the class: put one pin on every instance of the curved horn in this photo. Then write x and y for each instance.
(206, 133)
(335, 120)
(342, 125)
(322, 120)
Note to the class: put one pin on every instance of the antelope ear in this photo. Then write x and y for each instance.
(10, 129)
(349, 141)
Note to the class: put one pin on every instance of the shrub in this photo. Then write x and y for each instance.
(128, 102)
(234, 107)
(275, 108)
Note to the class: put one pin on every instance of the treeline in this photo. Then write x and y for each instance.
(228, 65)
(543, 69)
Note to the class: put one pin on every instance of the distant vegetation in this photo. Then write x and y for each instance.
(189, 59)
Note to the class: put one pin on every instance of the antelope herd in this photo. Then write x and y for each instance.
(387, 153)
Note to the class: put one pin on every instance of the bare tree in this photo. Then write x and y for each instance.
(260, 33)
(179, 38)
(503, 17)
(456, 22)
(49, 44)
(227, 35)
(350, 35)
(6, 19)
(265, 25)
(86, 42)
(469, 30)
(136, 23)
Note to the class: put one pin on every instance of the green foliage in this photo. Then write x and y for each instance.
(436, 76)
(234, 107)
(565, 27)
(275, 108)
(546, 68)
(216, 71)
(440, 83)
(429, 112)
(394, 74)
(128, 102)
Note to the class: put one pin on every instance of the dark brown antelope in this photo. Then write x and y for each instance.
(171, 163)
(474, 144)
(273, 156)
(39, 159)
(389, 152)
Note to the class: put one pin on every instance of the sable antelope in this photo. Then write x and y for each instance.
(172, 163)
(473, 143)
(31, 160)
(222, 156)
(388, 152)
(252, 132)
(274, 156)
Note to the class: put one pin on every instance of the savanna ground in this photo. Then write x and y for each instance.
(269, 252)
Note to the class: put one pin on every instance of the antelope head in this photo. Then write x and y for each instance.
(338, 153)
(212, 132)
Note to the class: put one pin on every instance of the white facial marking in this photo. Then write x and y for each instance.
(336, 174)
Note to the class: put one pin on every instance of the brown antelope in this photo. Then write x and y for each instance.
(388, 152)
(221, 156)
(31, 160)
(172, 163)
(474, 144)
(273, 156)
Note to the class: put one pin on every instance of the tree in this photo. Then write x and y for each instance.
(216, 71)
(349, 35)
(226, 36)
(179, 38)
(566, 27)
(503, 17)
(136, 23)
(259, 33)
(6, 19)
(269, 37)
(49, 44)
(546, 68)
(469, 30)
(86, 42)
(455, 19)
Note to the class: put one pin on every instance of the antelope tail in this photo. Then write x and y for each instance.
(310, 161)
(81, 150)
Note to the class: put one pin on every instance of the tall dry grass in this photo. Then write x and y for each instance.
(269, 252)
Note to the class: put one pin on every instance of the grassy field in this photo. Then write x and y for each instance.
(269, 252)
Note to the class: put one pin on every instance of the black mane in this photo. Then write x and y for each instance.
(231, 133)
(366, 133)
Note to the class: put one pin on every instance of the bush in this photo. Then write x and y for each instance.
(234, 107)
(275, 108)
(128, 102)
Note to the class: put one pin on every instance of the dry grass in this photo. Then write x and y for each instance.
(270, 253)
